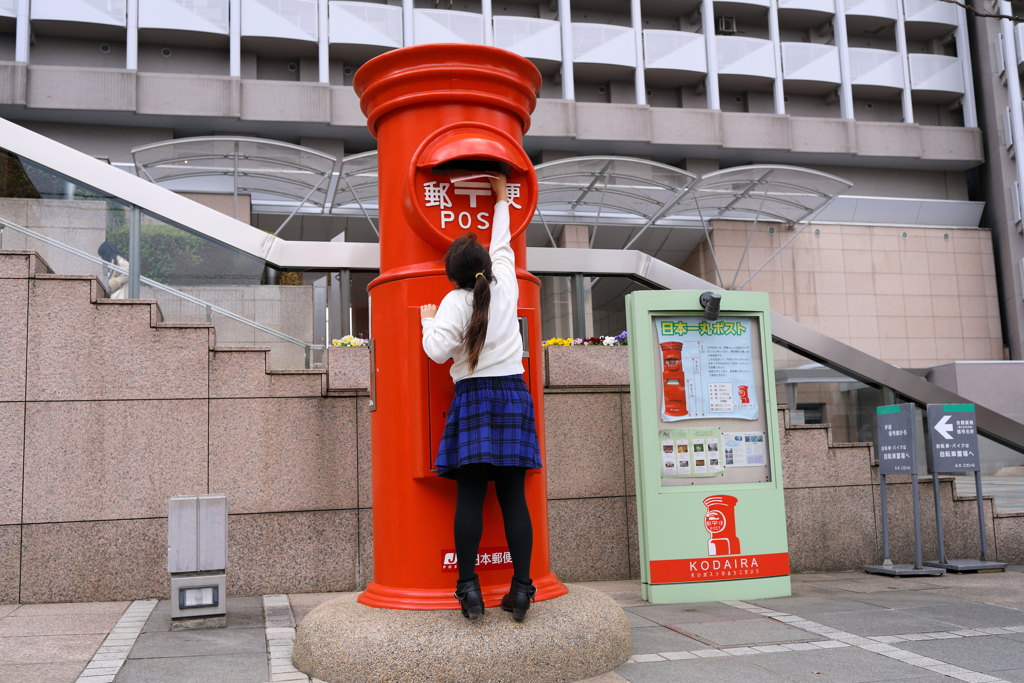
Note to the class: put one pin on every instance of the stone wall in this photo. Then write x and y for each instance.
(913, 301)
(106, 412)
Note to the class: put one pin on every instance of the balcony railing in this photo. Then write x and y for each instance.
(936, 73)
(930, 12)
(529, 37)
(810, 62)
(825, 6)
(675, 50)
(740, 56)
(882, 9)
(603, 44)
(108, 12)
(290, 19)
(872, 67)
(447, 26)
(362, 23)
(199, 16)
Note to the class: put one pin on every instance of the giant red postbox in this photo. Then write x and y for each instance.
(440, 113)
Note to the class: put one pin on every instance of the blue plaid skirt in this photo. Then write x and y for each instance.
(490, 421)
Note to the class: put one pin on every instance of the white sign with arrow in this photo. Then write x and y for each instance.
(945, 428)
(953, 437)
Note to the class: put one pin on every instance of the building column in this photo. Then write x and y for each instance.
(323, 42)
(486, 10)
(843, 43)
(408, 35)
(901, 46)
(23, 33)
(235, 38)
(963, 52)
(565, 23)
(778, 87)
(638, 33)
(707, 15)
(132, 37)
(1016, 114)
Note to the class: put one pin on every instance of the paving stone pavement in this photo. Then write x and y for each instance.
(848, 627)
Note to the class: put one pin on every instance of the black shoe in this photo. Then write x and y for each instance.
(518, 598)
(470, 598)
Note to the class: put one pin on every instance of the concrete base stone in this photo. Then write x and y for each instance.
(577, 636)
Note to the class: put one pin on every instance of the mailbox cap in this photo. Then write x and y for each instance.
(450, 73)
(473, 142)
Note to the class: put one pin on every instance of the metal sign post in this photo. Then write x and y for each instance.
(953, 447)
(896, 447)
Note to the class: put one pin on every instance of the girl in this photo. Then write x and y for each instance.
(490, 434)
(117, 282)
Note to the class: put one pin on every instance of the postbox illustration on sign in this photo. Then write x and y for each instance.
(720, 521)
(706, 368)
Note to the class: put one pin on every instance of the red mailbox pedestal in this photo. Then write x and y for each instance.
(435, 108)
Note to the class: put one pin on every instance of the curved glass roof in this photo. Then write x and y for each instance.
(786, 194)
(630, 203)
(271, 172)
(356, 190)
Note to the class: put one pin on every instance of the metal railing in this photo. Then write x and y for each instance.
(211, 309)
(786, 332)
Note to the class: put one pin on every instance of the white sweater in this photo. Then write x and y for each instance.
(502, 354)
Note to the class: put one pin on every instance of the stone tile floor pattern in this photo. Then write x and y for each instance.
(845, 627)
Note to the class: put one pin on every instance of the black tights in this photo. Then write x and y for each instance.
(469, 521)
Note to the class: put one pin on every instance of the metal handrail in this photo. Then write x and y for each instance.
(210, 308)
(818, 347)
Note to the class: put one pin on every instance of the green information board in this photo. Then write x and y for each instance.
(710, 503)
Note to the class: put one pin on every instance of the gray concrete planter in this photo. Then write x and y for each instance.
(348, 368)
(586, 366)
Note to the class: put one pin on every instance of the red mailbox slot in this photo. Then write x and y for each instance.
(673, 379)
(440, 113)
(720, 521)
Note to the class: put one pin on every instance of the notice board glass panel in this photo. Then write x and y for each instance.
(710, 395)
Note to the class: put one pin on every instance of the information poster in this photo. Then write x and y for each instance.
(692, 452)
(706, 368)
(744, 449)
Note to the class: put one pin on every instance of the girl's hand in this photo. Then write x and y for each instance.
(498, 185)
(428, 311)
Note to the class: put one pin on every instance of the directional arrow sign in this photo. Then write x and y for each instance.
(945, 428)
(952, 438)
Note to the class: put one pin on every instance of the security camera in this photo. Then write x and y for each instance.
(712, 303)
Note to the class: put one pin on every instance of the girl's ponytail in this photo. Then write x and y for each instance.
(468, 266)
(476, 331)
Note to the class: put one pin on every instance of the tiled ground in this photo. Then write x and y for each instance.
(844, 627)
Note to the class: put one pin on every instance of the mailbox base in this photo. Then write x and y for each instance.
(575, 637)
(963, 566)
(902, 570)
(376, 595)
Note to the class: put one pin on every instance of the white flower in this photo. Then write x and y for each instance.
(608, 341)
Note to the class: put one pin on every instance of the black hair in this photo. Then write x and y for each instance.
(108, 252)
(468, 266)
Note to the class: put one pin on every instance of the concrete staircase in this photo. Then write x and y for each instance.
(833, 511)
(106, 411)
